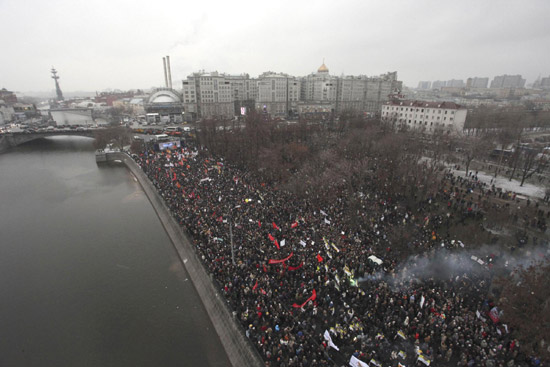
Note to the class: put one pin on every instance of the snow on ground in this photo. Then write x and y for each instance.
(503, 182)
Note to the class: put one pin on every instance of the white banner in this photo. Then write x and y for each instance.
(354, 362)
(329, 340)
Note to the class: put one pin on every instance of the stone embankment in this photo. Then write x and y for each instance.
(239, 349)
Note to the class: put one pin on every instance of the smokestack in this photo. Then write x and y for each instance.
(169, 72)
(165, 73)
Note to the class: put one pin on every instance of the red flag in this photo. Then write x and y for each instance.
(262, 290)
(259, 224)
(255, 286)
(273, 261)
(271, 238)
(312, 298)
(296, 267)
(175, 177)
(275, 226)
(277, 244)
(294, 225)
(265, 269)
(319, 258)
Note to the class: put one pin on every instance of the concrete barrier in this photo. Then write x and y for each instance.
(238, 347)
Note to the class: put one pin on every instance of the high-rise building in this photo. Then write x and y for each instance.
(438, 84)
(424, 85)
(278, 94)
(508, 81)
(208, 95)
(455, 83)
(320, 86)
(477, 82)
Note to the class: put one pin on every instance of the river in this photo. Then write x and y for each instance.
(88, 277)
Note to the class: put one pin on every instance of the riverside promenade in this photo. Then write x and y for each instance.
(237, 346)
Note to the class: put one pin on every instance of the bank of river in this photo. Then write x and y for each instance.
(87, 273)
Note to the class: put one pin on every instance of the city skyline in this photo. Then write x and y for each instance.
(122, 46)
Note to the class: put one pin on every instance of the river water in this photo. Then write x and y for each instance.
(88, 277)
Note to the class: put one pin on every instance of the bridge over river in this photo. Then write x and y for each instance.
(9, 140)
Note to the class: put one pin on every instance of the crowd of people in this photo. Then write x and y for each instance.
(311, 290)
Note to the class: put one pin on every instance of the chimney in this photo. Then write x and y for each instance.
(169, 72)
(165, 73)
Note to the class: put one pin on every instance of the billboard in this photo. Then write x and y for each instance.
(169, 145)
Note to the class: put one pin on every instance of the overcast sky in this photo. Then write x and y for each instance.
(101, 44)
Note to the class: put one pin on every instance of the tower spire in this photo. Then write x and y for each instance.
(57, 88)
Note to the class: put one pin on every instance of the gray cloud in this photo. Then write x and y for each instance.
(120, 44)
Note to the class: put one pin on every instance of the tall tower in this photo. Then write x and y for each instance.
(57, 89)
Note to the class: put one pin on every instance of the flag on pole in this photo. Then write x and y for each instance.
(329, 340)
(294, 225)
(275, 226)
(319, 258)
(283, 243)
(303, 243)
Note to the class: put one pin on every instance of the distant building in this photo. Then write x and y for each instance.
(320, 86)
(164, 105)
(477, 82)
(208, 95)
(424, 85)
(6, 112)
(428, 117)
(278, 94)
(455, 83)
(8, 97)
(542, 83)
(438, 84)
(359, 94)
(508, 81)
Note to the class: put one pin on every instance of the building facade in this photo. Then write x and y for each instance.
(211, 95)
(427, 117)
(477, 83)
(508, 81)
(278, 94)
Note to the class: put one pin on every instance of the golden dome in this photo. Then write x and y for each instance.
(322, 69)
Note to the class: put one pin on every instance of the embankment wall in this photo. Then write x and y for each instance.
(239, 349)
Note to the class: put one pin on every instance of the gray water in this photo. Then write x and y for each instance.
(88, 277)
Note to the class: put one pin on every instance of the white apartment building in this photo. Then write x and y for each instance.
(208, 95)
(320, 86)
(278, 94)
(429, 117)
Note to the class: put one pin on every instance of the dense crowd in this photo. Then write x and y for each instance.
(309, 289)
